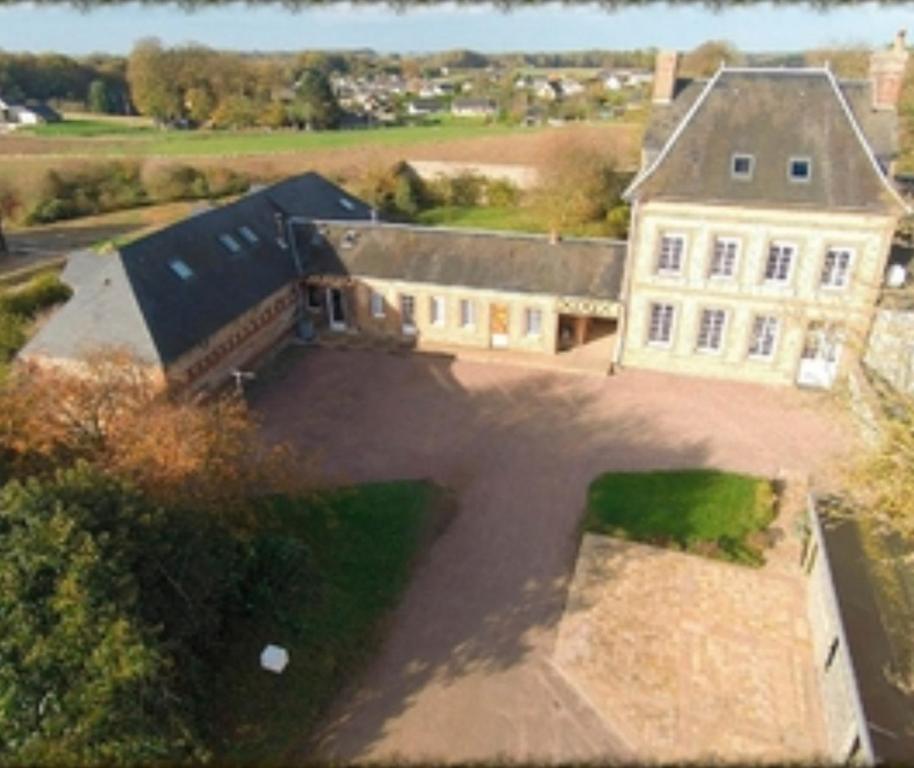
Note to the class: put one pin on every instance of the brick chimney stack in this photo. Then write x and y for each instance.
(666, 70)
(887, 73)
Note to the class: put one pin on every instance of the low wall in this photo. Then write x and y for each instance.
(846, 727)
(522, 176)
(890, 350)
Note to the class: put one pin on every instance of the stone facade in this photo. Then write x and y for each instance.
(796, 301)
(890, 352)
(498, 319)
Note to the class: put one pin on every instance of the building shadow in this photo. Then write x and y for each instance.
(519, 448)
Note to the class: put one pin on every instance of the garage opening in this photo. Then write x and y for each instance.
(577, 331)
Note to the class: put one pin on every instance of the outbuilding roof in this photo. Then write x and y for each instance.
(496, 261)
(774, 116)
(165, 293)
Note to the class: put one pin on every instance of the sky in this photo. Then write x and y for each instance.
(760, 27)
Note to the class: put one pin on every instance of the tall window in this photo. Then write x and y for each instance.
(763, 336)
(533, 321)
(672, 248)
(711, 330)
(660, 331)
(436, 310)
(408, 313)
(377, 304)
(723, 259)
(467, 313)
(314, 297)
(836, 267)
(780, 262)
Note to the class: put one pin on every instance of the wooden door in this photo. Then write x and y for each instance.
(499, 324)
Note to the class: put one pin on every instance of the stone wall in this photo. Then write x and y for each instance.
(522, 176)
(890, 351)
(845, 723)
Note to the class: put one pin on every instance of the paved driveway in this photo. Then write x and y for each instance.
(465, 672)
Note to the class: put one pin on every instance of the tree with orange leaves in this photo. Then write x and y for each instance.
(110, 413)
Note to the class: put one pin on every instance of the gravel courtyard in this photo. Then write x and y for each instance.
(466, 671)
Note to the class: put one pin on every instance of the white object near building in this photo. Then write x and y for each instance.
(274, 658)
(896, 276)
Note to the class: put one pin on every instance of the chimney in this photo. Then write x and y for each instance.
(666, 70)
(887, 68)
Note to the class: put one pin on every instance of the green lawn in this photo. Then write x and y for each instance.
(364, 540)
(142, 140)
(83, 127)
(509, 218)
(704, 511)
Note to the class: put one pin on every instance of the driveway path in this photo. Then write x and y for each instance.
(464, 673)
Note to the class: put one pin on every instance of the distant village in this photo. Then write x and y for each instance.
(530, 98)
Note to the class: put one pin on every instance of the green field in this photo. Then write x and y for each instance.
(509, 218)
(704, 511)
(103, 138)
(363, 540)
(86, 127)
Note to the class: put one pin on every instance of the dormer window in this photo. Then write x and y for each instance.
(799, 169)
(248, 234)
(741, 166)
(181, 269)
(230, 243)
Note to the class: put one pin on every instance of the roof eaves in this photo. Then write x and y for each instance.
(629, 193)
(839, 94)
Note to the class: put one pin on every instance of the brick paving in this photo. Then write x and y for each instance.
(468, 670)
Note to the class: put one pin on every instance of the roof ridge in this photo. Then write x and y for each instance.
(661, 156)
(435, 229)
(858, 132)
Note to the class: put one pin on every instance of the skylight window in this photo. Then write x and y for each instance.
(230, 243)
(799, 169)
(181, 269)
(741, 166)
(347, 204)
(248, 234)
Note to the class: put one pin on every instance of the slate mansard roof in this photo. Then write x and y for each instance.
(587, 268)
(773, 115)
(136, 298)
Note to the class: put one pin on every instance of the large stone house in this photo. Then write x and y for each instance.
(762, 220)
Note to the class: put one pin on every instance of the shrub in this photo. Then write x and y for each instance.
(501, 193)
(39, 293)
(88, 190)
(396, 191)
(167, 183)
(225, 181)
(617, 221)
(12, 335)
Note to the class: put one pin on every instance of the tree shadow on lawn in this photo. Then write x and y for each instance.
(519, 448)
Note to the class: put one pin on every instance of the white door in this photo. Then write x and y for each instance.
(820, 358)
(336, 309)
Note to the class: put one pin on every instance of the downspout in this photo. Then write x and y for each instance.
(625, 297)
(300, 314)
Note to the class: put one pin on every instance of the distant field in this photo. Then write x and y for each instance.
(83, 127)
(114, 139)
